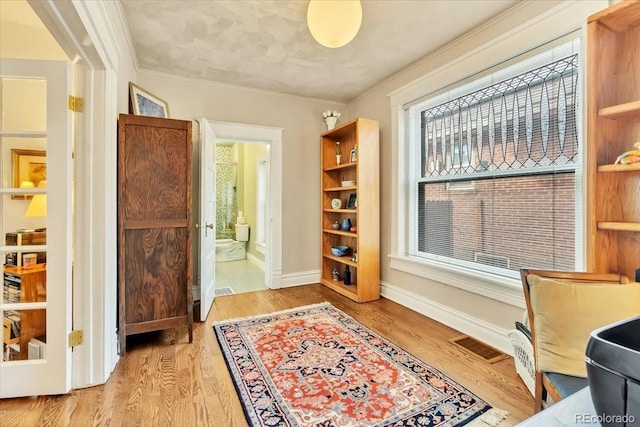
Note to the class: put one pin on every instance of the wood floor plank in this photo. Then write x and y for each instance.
(165, 381)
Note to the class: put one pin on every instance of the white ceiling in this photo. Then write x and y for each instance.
(265, 44)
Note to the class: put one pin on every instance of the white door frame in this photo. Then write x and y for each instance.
(242, 132)
(85, 31)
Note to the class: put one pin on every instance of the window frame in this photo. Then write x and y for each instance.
(493, 76)
(569, 20)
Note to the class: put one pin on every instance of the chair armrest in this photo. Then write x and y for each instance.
(524, 330)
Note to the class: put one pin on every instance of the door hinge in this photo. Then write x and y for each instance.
(76, 104)
(75, 338)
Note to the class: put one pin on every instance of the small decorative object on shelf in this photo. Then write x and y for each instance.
(346, 224)
(347, 276)
(335, 225)
(351, 204)
(336, 203)
(338, 155)
(335, 274)
(631, 156)
(353, 156)
(330, 118)
(354, 258)
(340, 250)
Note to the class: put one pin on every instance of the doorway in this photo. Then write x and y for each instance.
(242, 198)
(268, 237)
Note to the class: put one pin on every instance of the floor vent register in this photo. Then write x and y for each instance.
(478, 349)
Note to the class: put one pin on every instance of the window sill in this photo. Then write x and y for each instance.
(261, 248)
(503, 289)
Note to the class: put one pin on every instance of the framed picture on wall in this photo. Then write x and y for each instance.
(143, 103)
(28, 169)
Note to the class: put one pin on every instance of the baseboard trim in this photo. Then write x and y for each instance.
(276, 279)
(300, 278)
(461, 321)
(255, 260)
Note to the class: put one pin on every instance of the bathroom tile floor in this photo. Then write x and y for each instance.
(241, 276)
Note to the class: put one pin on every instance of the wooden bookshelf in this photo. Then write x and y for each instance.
(361, 135)
(613, 126)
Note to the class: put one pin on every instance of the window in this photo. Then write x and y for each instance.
(510, 139)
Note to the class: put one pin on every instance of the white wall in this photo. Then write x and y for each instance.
(22, 35)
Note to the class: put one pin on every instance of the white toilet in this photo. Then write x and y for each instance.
(234, 250)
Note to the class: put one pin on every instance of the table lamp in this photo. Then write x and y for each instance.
(38, 205)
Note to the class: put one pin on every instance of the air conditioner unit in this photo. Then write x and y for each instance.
(490, 259)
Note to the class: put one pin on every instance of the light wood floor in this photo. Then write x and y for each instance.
(163, 383)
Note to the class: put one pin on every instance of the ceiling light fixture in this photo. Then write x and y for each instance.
(334, 23)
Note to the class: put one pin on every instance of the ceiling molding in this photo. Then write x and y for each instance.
(124, 28)
(238, 87)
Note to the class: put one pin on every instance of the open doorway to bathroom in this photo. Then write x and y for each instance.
(242, 191)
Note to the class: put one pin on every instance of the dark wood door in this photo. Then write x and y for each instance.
(154, 225)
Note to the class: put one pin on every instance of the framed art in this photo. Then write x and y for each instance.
(143, 103)
(27, 166)
(352, 157)
(351, 204)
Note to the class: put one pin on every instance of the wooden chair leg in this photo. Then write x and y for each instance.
(540, 395)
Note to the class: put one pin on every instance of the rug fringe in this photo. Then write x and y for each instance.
(491, 418)
(288, 310)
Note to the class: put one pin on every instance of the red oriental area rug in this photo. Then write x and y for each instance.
(316, 366)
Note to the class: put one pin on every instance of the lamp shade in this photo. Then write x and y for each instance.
(334, 23)
(38, 205)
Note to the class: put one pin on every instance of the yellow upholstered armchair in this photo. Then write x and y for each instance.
(563, 308)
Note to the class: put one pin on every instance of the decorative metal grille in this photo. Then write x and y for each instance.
(524, 123)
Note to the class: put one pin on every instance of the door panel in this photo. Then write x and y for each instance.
(207, 220)
(35, 304)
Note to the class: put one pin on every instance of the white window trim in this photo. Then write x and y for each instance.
(490, 285)
(568, 17)
(558, 49)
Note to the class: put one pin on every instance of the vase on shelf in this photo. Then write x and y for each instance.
(346, 277)
(331, 122)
